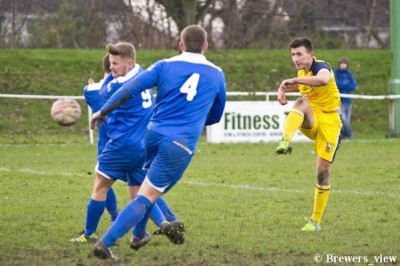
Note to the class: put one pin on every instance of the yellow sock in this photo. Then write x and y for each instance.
(292, 124)
(321, 196)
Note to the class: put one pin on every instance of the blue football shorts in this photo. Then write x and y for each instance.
(166, 160)
(124, 164)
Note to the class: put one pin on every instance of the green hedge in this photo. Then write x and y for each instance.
(65, 72)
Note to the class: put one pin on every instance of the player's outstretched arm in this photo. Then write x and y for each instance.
(287, 85)
(143, 81)
(97, 117)
(321, 79)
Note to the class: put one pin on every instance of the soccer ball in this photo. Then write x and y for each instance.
(65, 112)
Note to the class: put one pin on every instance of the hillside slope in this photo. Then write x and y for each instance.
(65, 72)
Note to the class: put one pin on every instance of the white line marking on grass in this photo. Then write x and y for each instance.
(28, 170)
(229, 186)
(37, 172)
(24, 145)
(242, 187)
(275, 189)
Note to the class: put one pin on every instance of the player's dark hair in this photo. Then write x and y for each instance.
(194, 38)
(302, 41)
(123, 49)
(106, 64)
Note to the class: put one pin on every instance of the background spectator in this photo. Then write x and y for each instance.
(346, 84)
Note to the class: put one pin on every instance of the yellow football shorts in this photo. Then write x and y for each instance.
(325, 133)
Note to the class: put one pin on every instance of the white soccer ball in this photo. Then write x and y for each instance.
(65, 112)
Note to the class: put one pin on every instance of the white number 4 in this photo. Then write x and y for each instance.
(190, 86)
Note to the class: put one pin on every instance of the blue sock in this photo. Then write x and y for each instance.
(140, 229)
(129, 217)
(156, 215)
(111, 204)
(168, 213)
(93, 214)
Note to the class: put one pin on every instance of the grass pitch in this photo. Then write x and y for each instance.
(241, 204)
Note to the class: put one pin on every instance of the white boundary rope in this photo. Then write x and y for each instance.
(230, 93)
(27, 96)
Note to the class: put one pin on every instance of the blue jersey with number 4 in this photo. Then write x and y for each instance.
(191, 93)
(127, 123)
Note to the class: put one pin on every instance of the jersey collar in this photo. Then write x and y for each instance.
(131, 73)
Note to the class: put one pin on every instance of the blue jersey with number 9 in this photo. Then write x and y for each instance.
(127, 123)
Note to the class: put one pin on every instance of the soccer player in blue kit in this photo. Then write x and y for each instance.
(122, 156)
(191, 93)
(96, 101)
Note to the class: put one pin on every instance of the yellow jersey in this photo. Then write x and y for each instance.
(323, 98)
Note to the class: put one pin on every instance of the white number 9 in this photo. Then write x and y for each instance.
(146, 96)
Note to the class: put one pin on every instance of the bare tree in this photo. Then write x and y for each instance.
(186, 12)
(247, 23)
(15, 15)
(370, 23)
(356, 23)
(155, 24)
(146, 25)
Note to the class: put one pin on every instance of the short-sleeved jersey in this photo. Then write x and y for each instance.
(127, 123)
(190, 94)
(323, 98)
(95, 101)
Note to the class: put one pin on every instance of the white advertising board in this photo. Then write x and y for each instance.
(251, 121)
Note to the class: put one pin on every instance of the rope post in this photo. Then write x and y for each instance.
(391, 116)
(394, 82)
(91, 138)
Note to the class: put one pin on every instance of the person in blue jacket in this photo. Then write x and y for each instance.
(346, 84)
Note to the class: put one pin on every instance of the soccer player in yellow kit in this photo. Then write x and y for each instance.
(315, 114)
